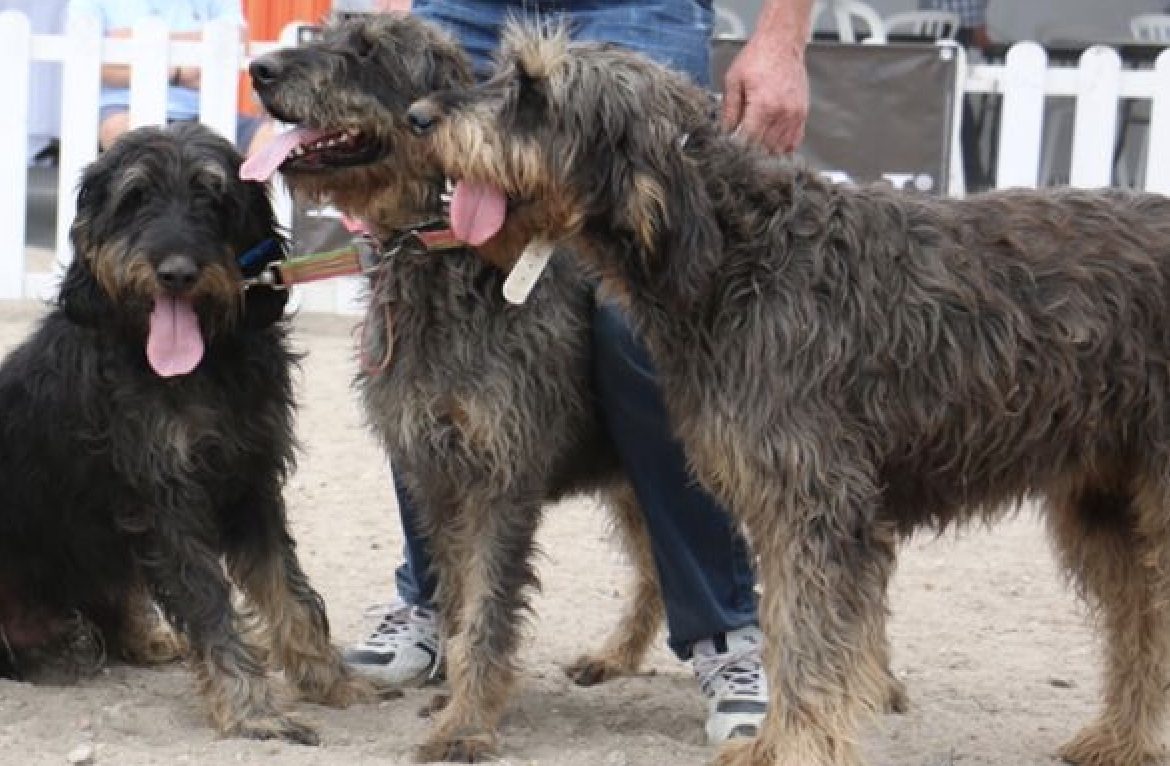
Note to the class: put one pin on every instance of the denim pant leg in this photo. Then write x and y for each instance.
(415, 577)
(703, 563)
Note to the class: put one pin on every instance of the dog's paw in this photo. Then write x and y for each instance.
(162, 647)
(348, 691)
(1098, 745)
(280, 727)
(590, 670)
(793, 751)
(461, 748)
(437, 704)
(736, 752)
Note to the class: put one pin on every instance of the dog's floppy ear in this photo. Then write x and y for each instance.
(80, 295)
(91, 197)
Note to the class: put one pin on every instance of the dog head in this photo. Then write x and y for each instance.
(346, 94)
(164, 233)
(564, 134)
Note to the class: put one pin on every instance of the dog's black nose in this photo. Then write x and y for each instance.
(422, 116)
(265, 71)
(177, 273)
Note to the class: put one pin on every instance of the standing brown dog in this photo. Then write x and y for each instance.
(847, 365)
(485, 409)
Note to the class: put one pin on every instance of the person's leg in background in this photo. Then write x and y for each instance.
(405, 647)
(704, 569)
(704, 566)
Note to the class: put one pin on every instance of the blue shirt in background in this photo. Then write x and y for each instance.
(180, 16)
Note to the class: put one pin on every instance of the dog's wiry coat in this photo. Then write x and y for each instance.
(486, 410)
(121, 486)
(845, 365)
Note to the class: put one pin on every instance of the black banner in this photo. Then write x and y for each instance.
(877, 112)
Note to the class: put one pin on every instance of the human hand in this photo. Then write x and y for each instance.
(765, 96)
(190, 77)
(185, 76)
(392, 6)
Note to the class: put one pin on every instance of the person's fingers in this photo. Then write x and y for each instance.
(774, 128)
(785, 133)
(733, 101)
(753, 125)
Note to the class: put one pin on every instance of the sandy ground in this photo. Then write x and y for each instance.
(1000, 666)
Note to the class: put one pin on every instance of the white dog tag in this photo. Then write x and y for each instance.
(527, 269)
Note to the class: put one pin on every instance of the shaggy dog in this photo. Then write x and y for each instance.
(846, 365)
(147, 429)
(485, 409)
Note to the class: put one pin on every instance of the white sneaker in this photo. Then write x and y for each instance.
(405, 649)
(730, 670)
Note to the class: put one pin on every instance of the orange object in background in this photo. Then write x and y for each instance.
(266, 18)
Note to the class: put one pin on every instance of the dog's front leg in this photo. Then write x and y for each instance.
(145, 638)
(494, 561)
(187, 579)
(824, 566)
(266, 568)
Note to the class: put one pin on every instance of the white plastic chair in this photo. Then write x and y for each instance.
(1151, 27)
(935, 25)
(1146, 28)
(844, 12)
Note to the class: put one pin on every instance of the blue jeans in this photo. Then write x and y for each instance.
(703, 564)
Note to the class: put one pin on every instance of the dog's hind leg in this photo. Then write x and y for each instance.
(188, 582)
(266, 569)
(481, 652)
(626, 647)
(1115, 548)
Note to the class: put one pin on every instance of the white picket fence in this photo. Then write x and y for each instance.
(1024, 81)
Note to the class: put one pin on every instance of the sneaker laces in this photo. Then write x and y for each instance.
(737, 672)
(397, 621)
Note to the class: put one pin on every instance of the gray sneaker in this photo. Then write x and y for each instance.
(405, 649)
(730, 671)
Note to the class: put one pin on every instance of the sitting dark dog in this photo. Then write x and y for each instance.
(145, 434)
(486, 409)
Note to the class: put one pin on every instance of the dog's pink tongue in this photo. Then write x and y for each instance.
(355, 225)
(477, 212)
(174, 345)
(261, 165)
